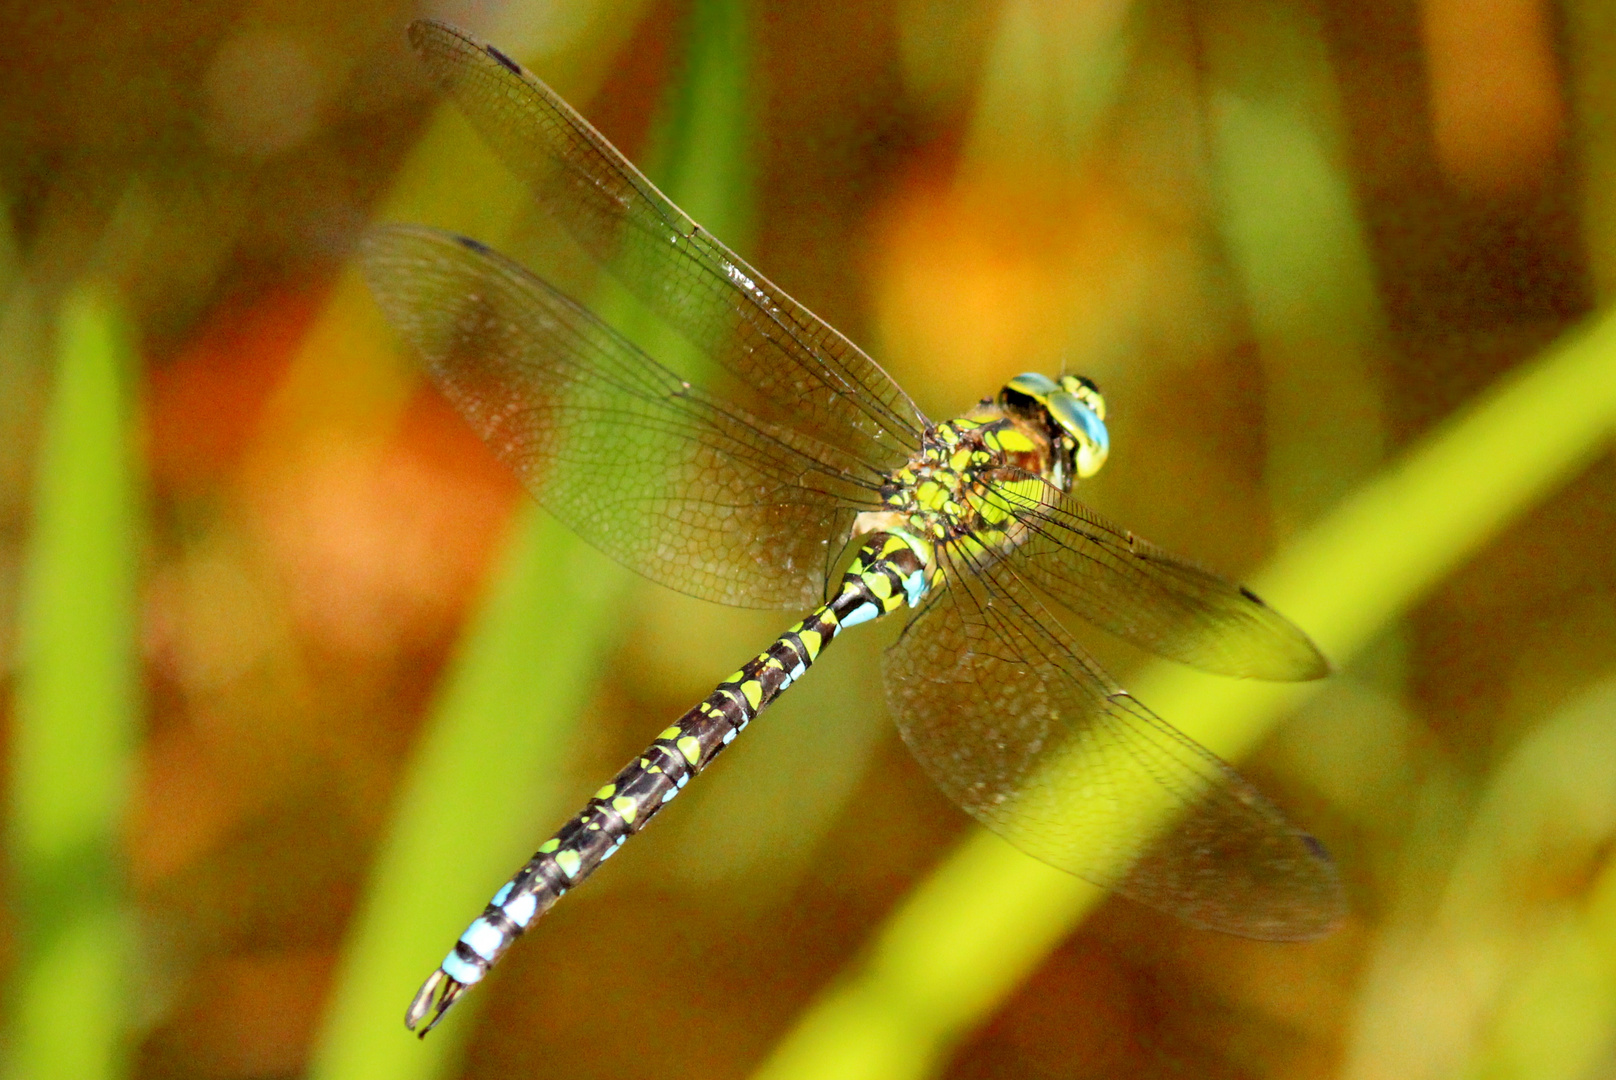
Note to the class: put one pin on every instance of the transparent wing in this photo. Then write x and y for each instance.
(1031, 738)
(692, 493)
(792, 366)
(1128, 586)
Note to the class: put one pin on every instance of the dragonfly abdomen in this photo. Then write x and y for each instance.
(887, 571)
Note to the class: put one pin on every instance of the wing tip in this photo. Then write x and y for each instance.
(1311, 907)
(1320, 909)
(1314, 664)
(504, 61)
(427, 36)
(421, 33)
(1304, 661)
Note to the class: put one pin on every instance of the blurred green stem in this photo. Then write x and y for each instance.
(966, 937)
(1053, 71)
(486, 771)
(76, 712)
(1289, 222)
(1555, 1017)
(1523, 951)
(1588, 37)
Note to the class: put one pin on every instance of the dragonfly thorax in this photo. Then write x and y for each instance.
(972, 475)
(940, 494)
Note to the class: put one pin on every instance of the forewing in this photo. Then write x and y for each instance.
(692, 493)
(1023, 731)
(800, 371)
(1134, 589)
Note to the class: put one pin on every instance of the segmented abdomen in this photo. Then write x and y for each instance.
(880, 579)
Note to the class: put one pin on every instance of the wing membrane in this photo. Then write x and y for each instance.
(697, 495)
(1134, 589)
(799, 371)
(1021, 729)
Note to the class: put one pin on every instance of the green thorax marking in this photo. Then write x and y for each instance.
(942, 493)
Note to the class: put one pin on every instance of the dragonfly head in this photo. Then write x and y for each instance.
(1072, 411)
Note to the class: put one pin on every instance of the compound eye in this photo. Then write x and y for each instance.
(1030, 384)
(1085, 391)
(1024, 395)
(1086, 425)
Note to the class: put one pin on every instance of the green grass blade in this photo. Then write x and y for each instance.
(1289, 222)
(483, 778)
(1522, 946)
(485, 781)
(1052, 74)
(698, 155)
(344, 374)
(77, 709)
(968, 935)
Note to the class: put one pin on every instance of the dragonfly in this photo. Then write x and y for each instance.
(809, 480)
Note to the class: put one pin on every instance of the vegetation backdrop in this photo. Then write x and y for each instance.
(296, 675)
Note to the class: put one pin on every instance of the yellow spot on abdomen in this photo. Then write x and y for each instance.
(626, 807)
(811, 640)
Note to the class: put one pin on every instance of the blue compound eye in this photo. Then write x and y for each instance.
(1085, 391)
(1033, 385)
(1079, 419)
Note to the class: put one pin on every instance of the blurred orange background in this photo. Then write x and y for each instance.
(1287, 239)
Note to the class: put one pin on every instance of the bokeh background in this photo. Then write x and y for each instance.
(296, 674)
